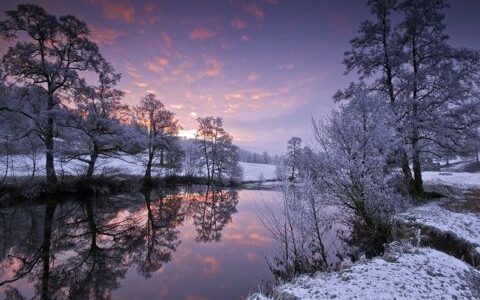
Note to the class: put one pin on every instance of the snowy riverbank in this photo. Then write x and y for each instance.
(21, 165)
(415, 273)
(464, 226)
(455, 179)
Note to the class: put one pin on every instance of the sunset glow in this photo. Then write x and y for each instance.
(259, 64)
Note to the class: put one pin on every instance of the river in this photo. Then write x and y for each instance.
(181, 243)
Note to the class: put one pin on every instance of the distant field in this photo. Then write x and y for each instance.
(22, 166)
(253, 172)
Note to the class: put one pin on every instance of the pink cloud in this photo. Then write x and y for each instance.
(201, 34)
(213, 66)
(286, 66)
(252, 76)
(254, 10)
(239, 24)
(132, 70)
(140, 84)
(252, 257)
(149, 7)
(119, 11)
(105, 36)
(231, 108)
(167, 40)
(211, 265)
(157, 65)
(195, 297)
(245, 38)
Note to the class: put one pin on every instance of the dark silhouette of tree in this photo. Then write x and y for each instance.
(54, 54)
(211, 210)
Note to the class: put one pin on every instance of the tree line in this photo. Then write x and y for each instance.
(48, 106)
(258, 158)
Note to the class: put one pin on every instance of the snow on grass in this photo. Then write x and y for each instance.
(465, 226)
(256, 172)
(419, 273)
(460, 179)
(127, 164)
(458, 166)
(23, 166)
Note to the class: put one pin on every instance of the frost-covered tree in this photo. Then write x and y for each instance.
(192, 164)
(97, 121)
(294, 148)
(157, 128)
(352, 171)
(52, 54)
(376, 48)
(300, 229)
(440, 102)
(219, 156)
(432, 87)
(25, 121)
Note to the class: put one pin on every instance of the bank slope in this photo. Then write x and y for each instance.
(417, 273)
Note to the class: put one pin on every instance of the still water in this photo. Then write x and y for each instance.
(187, 243)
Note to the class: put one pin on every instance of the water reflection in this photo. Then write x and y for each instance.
(211, 211)
(98, 248)
(157, 236)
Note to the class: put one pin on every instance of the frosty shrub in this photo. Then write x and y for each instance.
(303, 230)
(353, 173)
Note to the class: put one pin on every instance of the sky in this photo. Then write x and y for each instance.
(267, 67)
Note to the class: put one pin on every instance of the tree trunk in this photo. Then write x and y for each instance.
(49, 145)
(148, 171)
(91, 163)
(34, 162)
(407, 172)
(417, 171)
(8, 160)
(207, 160)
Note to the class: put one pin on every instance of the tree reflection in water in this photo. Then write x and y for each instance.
(72, 249)
(211, 211)
(157, 233)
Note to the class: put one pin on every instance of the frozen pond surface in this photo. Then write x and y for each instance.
(188, 243)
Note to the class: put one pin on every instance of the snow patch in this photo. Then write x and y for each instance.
(257, 172)
(421, 273)
(458, 179)
(22, 165)
(464, 225)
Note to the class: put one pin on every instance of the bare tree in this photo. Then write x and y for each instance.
(294, 147)
(302, 227)
(219, 155)
(97, 121)
(157, 127)
(55, 51)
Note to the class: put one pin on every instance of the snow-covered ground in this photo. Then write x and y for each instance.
(457, 166)
(464, 226)
(23, 166)
(457, 179)
(257, 172)
(418, 273)
(130, 165)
